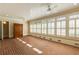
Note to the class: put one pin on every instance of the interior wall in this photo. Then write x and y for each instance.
(11, 21)
(19, 21)
(10, 29)
(25, 28)
(25, 25)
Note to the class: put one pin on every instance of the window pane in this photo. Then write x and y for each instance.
(38, 25)
(44, 25)
(38, 30)
(71, 23)
(34, 26)
(34, 30)
(74, 16)
(52, 31)
(77, 32)
(63, 24)
(71, 32)
(43, 31)
(58, 24)
(49, 25)
(49, 31)
(52, 25)
(77, 23)
(63, 32)
(58, 32)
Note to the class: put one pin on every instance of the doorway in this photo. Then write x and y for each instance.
(0, 30)
(6, 30)
(18, 30)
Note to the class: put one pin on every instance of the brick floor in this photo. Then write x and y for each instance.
(14, 47)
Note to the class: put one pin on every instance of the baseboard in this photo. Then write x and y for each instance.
(25, 35)
(11, 37)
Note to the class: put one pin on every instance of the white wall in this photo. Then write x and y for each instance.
(10, 28)
(25, 28)
(20, 21)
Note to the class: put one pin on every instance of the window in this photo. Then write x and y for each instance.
(77, 27)
(51, 26)
(63, 32)
(58, 32)
(77, 23)
(33, 28)
(74, 25)
(71, 23)
(77, 32)
(71, 32)
(44, 27)
(61, 26)
(71, 27)
(39, 28)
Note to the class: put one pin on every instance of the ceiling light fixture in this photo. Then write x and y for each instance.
(4, 22)
(49, 6)
(5, 19)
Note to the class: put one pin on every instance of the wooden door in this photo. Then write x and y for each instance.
(18, 30)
